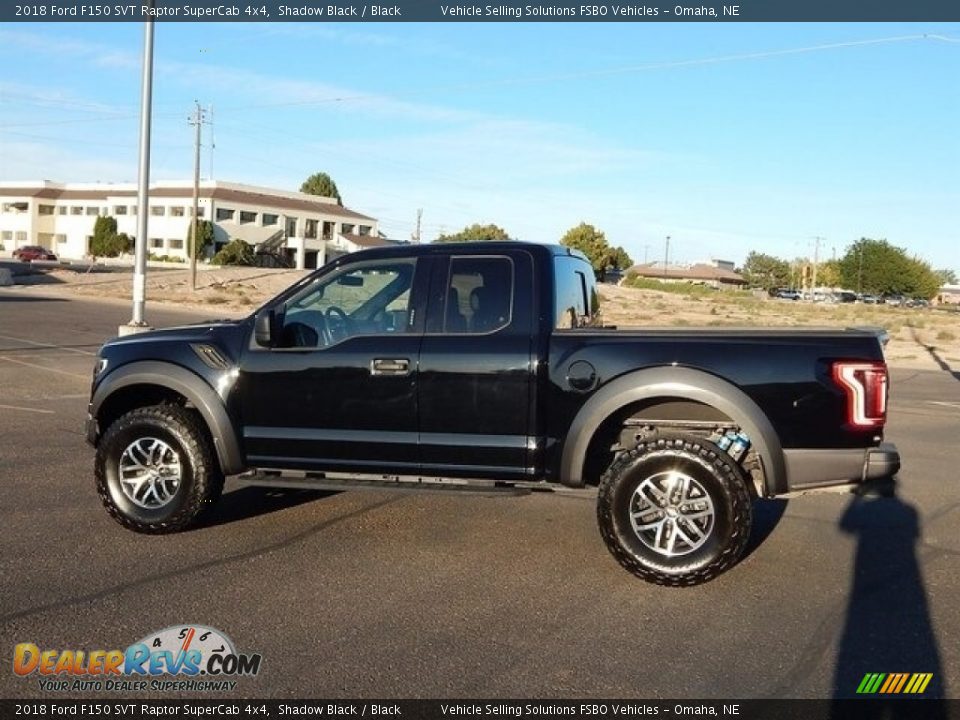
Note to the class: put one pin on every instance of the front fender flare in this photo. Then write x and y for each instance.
(684, 383)
(193, 388)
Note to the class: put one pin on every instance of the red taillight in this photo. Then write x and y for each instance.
(865, 385)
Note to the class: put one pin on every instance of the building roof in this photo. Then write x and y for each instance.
(215, 189)
(699, 271)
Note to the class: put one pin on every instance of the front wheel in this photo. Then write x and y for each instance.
(675, 510)
(155, 469)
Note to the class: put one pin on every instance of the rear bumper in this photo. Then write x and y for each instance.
(808, 469)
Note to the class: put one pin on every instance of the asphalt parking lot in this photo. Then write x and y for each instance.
(370, 594)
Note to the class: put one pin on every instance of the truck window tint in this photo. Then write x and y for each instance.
(479, 295)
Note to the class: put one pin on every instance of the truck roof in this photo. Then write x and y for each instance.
(465, 248)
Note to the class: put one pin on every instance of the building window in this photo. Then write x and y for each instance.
(224, 214)
(76, 210)
(62, 209)
(291, 227)
(93, 211)
(310, 229)
(60, 238)
(201, 211)
(247, 217)
(6, 235)
(45, 210)
(364, 230)
(269, 219)
(21, 236)
(177, 211)
(133, 209)
(175, 243)
(119, 209)
(156, 243)
(328, 230)
(15, 207)
(347, 228)
(158, 210)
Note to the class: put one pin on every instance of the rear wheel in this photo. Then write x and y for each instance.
(155, 469)
(675, 510)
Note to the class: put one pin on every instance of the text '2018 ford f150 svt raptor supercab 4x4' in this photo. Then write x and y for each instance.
(485, 365)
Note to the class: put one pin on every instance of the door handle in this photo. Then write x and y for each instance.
(390, 366)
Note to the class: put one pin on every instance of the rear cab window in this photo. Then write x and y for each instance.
(576, 302)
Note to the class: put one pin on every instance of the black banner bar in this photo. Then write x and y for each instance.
(502, 11)
(865, 709)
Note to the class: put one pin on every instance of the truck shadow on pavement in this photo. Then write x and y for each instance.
(766, 516)
(252, 501)
(887, 628)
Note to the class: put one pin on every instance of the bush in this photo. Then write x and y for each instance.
(236, 252)
(946, 336)
(111, 245)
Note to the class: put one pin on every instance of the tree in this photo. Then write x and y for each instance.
(828, 274)
(593, 243)
(204, 237)
(766, 271)
(105, 241)
(876, 266)
(476, 232)
(321, 184)
(235, 252)
(946, 277)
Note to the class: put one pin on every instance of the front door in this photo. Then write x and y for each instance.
(339, 392)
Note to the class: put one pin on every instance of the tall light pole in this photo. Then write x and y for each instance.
(666, 256)
(137, 322)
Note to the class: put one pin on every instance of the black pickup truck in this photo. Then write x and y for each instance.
(486, 366)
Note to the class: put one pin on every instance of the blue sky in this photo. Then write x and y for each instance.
(726, 137)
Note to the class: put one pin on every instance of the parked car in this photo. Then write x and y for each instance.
(869, 299)
(894, 300)
(27, 253)
(484, 367)
(844, 296)
(786, 294)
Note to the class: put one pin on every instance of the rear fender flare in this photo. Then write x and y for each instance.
(191, 386)
(684, 383)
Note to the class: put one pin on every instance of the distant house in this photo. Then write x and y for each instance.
(949, 295)
(717, 273)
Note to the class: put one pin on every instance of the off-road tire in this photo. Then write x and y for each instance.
(201, 482)
(718, 474)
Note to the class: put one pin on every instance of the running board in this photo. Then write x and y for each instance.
(348, 481)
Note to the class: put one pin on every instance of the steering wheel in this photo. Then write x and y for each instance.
(338, 324)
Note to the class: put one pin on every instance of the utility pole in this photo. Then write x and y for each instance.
(816, 257)
(666, 256)
(196, 121)
(646, 250)
(137, 323)
(419, 217)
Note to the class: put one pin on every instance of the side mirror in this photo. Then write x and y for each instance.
(263, 328)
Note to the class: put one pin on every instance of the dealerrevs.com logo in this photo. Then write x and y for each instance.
(199, 658)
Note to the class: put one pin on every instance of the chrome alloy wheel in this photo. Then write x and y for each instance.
(150, 473)
(671, 513)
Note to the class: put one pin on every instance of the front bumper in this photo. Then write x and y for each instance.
(808, 469)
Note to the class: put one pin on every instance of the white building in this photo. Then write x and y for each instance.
(60, 217)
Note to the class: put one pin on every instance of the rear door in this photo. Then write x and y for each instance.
(476, 367)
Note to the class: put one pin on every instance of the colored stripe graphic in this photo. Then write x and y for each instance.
(894, 683)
